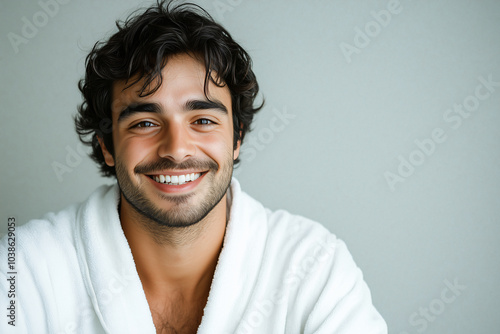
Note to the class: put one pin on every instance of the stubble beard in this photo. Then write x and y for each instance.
(182, 214)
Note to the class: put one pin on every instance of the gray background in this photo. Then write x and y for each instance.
(352, 118)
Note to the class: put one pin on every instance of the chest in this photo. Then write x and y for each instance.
(170, 316)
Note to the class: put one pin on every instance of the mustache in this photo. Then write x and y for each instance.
(162, 164)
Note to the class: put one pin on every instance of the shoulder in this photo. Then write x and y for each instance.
(305, 248)
(37, 233)
(295, 228)
(294, 242)
(313, 271)
(285, 233)
(292, 236)
(46, 258)
(53, 233)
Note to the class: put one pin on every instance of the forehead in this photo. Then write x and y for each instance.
(183, 79)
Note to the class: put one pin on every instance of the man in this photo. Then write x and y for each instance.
(176, 246)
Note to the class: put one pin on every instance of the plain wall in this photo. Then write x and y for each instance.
(354, 98)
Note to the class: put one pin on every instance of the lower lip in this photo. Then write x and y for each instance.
(169, 188)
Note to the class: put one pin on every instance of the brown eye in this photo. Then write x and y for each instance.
(204, 121)
(144, 124)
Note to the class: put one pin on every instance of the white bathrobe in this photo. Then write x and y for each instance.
(276, 273)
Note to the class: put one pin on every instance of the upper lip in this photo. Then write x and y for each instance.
(174, 173)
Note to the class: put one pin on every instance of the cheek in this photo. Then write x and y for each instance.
(132, 151)
(217, 147)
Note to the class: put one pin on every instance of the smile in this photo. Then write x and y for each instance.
(175, 179)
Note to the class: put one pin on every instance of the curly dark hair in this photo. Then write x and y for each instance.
(141, 48)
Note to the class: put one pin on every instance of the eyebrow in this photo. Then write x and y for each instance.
(204, 105)
(136, 108)
(190, 105)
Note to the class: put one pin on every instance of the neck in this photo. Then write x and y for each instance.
(178, 260)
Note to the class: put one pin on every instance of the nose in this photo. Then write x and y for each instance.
(176, 143)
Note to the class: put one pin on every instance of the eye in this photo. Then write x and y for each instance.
(144, 124)
(204, 121)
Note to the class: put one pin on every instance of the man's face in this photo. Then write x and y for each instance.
(173, 150)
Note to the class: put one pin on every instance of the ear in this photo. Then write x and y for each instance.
(108, 158)
(236, 151)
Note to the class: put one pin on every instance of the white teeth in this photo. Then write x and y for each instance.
(176, 179)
